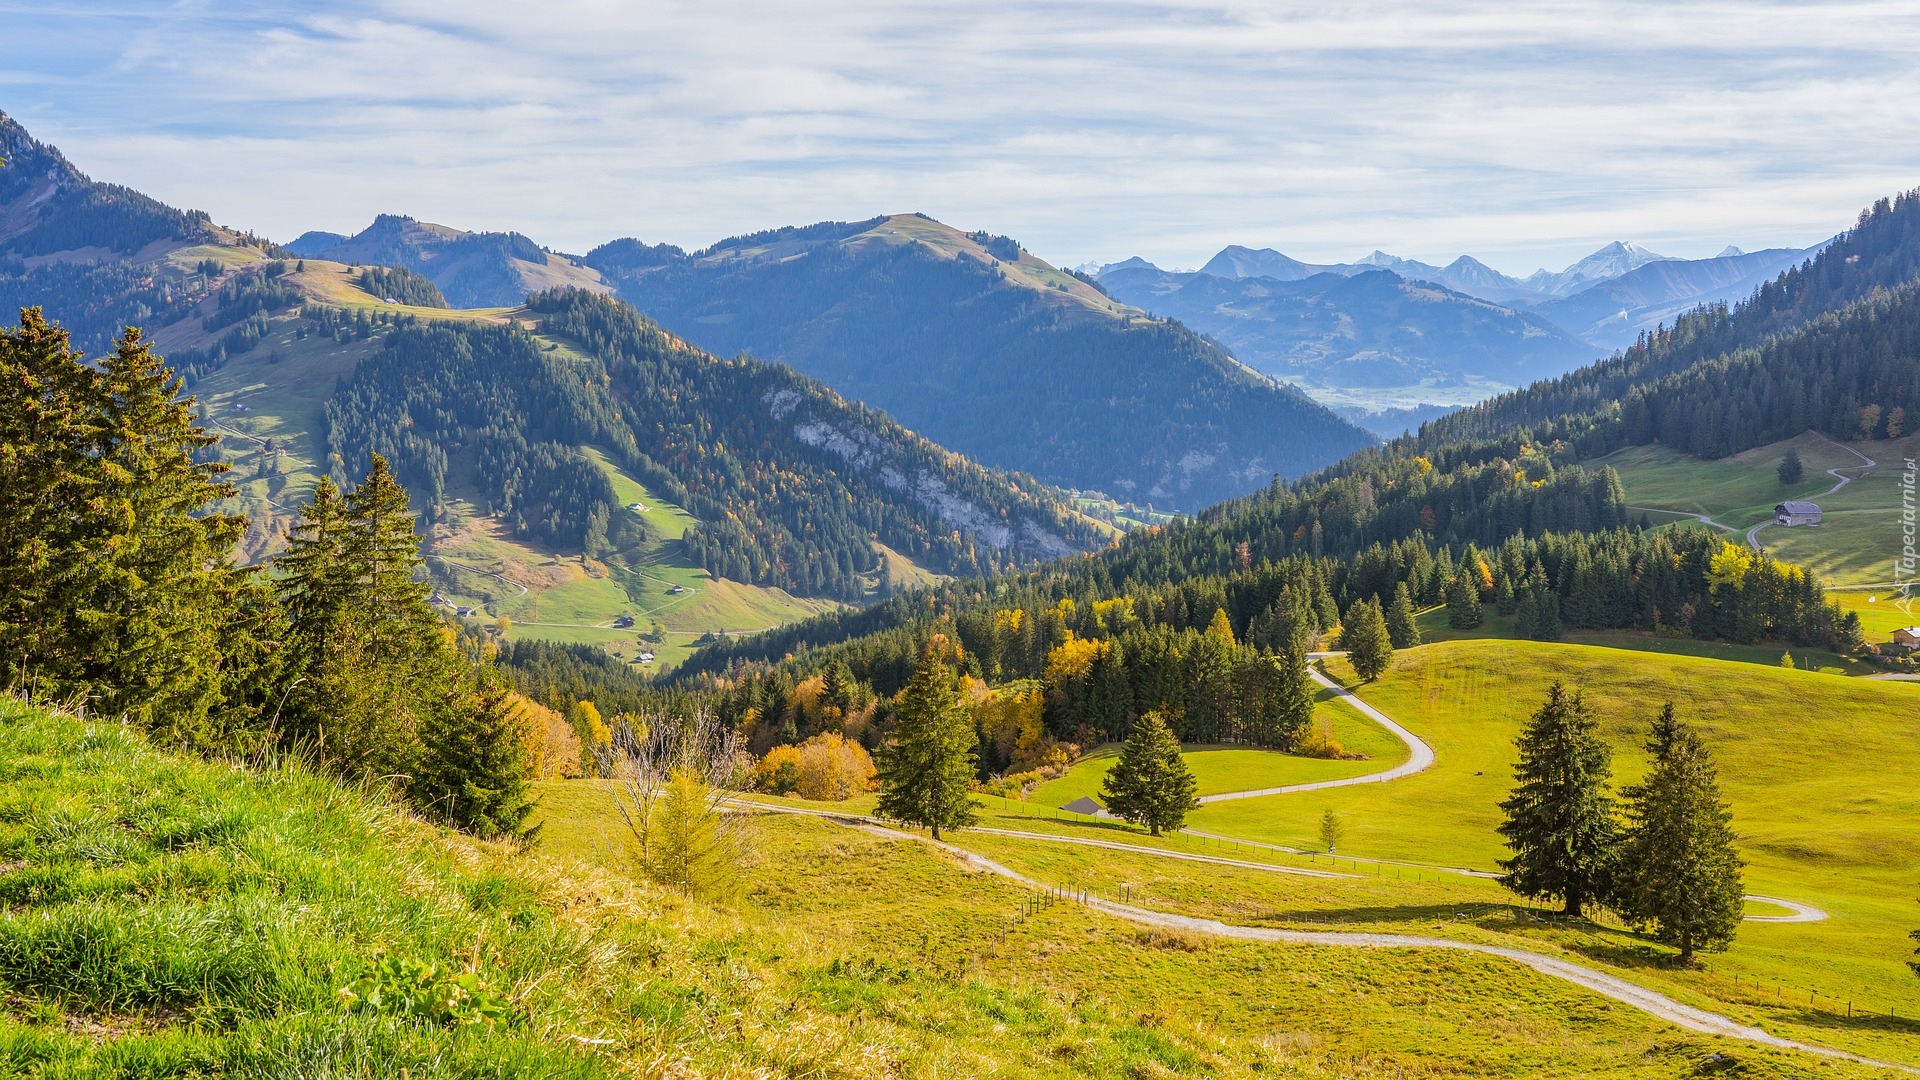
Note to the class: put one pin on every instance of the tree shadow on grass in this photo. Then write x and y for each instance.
(1396, 913)
(1861, 1020)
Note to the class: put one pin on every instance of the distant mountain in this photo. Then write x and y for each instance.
(485, 269)
(312, 244)
(981, 346)
(514, 412)
(1826, 303)
(1464, 274)
(1613, 312)
(1371, 330)
(1608, 263)
(1240, 262)
(1606, 300)
(51, 210)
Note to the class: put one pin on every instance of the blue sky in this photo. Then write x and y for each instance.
(1525, 134)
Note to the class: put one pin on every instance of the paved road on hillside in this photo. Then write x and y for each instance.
(1753, 534)
(1610, 986)
(1419, 760)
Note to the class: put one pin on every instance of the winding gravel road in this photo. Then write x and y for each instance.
(1753, 534)
(1420, 759)
(1648, 1001)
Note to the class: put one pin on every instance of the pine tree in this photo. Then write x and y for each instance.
(1559, 819)
(1401, 628)
(1463, 600)
(473, 765)
(1150, 785)
(371, 664)
(1791, 470)
(1290, 706)
(1679, 870)
(119, 587)
(927, 768)
(1363, 633)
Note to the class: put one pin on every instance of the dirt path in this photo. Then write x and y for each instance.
(1840, 481)
(1420, 757)
(1648, 1001)
(1800, 912)
(1702, 518)
(1184, 856)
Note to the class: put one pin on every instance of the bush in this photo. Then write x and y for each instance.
(1318, 742)
(825, 768)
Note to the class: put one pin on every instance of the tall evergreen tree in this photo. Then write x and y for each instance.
(1463, 600)
(1401, 628)
(1150, 785)
(1291, 694)
(119, 588)
(1560, 818)
(473, 765)
(1679, 871)
(1363, 633)
(927, 768)
(371, 662)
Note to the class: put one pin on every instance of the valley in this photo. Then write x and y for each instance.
(870, 649)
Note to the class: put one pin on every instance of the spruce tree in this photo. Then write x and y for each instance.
(1560, 817)
(927, 768)
(1463, 600)
(1791, 471)
(1679, 871)
(1363, 633)
(1401, 628)
(1150, 785)
(1290, 706)
(473, 764)
(119, 586)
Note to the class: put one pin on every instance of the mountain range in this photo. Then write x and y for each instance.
(1433, 336)
(982, 346)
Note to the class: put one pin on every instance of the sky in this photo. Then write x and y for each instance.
(1524, 134)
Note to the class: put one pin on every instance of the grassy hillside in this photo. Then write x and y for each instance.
(1230, 768)
(554, 597)
(168, 917)
(1823, 806)
(1859, 534)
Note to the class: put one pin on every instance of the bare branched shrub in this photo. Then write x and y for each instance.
(673, 784)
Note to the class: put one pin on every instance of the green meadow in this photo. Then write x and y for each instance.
(170, 917)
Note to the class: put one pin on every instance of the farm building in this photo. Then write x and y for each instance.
(1907, 637)
(1796, 513)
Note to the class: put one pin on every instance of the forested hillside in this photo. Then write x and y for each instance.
(69, 243)
(791, 483)
(1496, 505)
(977, 344)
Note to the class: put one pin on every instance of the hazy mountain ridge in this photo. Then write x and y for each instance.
(983, 347)
(1614, 311)
(1374, 329)
(1354, 350)
(473, 269)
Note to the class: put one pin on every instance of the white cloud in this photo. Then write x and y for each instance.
(1522, 133)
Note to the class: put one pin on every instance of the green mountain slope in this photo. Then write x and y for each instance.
(981, 346)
